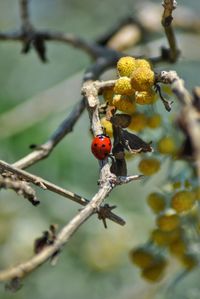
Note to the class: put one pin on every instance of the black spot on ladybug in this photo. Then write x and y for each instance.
(95, 144)
(103, 145)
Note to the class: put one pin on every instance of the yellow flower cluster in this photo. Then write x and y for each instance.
(136, 78)
(134, 86)
(152, 266)
(124, 103)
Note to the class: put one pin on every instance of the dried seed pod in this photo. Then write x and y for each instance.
(133, 143)
(121, 120)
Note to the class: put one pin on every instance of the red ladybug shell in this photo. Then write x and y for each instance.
(101, 146)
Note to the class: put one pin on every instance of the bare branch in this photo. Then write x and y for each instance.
(46, 185)
(169, 6)
(127, 179)
(188, 112)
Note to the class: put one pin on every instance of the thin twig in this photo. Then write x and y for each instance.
(169, 6)
(46, 185)
(25, 18)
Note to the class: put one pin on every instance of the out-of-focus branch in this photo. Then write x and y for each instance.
(105, 38)
(169, 6)
(24, 12)
(189, 112)
(43, 151)
(32, 35)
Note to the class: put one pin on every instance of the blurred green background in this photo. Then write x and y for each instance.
(95, 262)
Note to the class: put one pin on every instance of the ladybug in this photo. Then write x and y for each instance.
(101, 146)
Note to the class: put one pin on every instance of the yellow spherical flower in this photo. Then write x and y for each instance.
(149, 166)
(189, 261)
(178, 247)
(167, 146)
(138, 122)
(142, 79)
(123, 86)
(126, 65)
(163, 238)
(108, 94)
(159, 237)
(183, 201)
(124, 103)
(168, 221)
(156, 201)
(145, 97)
(154, 121)
(142, 257)
(107, 126)
(143, 63)
(155, 272)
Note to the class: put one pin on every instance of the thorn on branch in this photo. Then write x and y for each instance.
(166, 103)
(40, 47)
(103, 213)
(34, 40)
